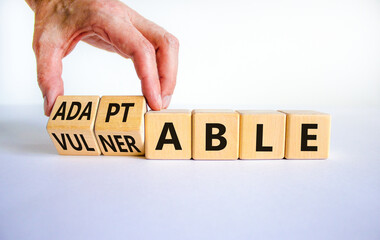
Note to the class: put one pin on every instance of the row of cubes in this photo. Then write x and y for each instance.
(114, 125)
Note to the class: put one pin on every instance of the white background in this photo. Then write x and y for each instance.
(274, 54)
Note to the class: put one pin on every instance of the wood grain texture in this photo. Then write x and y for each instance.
(119, 125)
(262, 134)
(310, 127)
(200, 120)
(172, 125)
(71, 125)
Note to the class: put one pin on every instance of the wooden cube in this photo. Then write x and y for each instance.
(215, 134)
(307, 134)
(119, 125)
(262, 134)
(71, 125)
(168, 134)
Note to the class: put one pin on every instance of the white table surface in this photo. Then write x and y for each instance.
(47, 196)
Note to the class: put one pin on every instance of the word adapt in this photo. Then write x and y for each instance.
(121, 125)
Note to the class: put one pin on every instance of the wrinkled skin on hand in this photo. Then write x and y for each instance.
(109, 25)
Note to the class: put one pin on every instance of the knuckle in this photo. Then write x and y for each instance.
(148, 48)
(96, 7)
(38, 45)
(41, 41)
(42, 79)
(171, 40)
(103, 10)
(49, 83)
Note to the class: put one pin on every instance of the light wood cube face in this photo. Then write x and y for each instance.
(262, 134)
(215, 134)
(168, 134)
(71, 125)
(307, 134)
(119, 125)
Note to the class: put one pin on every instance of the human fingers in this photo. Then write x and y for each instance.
(167, 48)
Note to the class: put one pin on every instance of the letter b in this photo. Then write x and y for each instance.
(210, 136)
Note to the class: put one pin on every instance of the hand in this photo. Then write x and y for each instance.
(109, 25)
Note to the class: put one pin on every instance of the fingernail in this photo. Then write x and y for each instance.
(166, 101)
(46, 106)
(156, 104)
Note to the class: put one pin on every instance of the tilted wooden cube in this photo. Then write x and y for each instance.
(262, 134)
(71, 125)
(119, 125)
(215, 134)
(307, 134)
(168, 134)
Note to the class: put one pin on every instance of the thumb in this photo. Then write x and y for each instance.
(49, 71)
